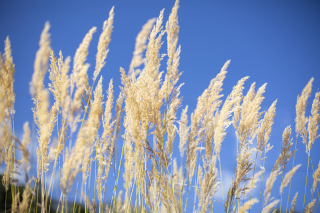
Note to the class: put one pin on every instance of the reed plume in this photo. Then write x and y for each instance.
(103, 44)
(288, 177)
(147, 107)
(7, 99)
(313, 122)
(301, 106)
(293, 203)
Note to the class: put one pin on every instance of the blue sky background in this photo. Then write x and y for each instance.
(271, 41)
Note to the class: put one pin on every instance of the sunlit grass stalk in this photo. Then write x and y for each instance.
(136, 206)
(313, 173)
(181, 191)
(212, 204)
(75, 196)
(234, 170)
(45, 190)
(51, 185)
(196, 187)
(30, 205)
(281, 193)
(66, 204)
(145, 157)
(163, 150)
(188, 187)
(82, 121)
(182, 186)
(85, 201)
(61, 195)
(305, 186)
(42, 191)
(188, 178)
(53, 176)
(37, 200)
(229, 197)
(221, 180)
(264, 160)
(95, 177)
(131, 193)
(12, 166)
(117, 180)
(54, 170)
(12, 157)
(254, 169)
(294, 155)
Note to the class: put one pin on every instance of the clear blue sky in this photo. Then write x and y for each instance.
(277, 42)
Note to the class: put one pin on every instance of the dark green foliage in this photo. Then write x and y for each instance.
(6, 200)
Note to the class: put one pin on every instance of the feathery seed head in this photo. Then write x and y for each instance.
(301, 106)
(285, 154)
(293, 203)
(313, 124)
(247, 205)
(103, 44)
(287, 178)
(41, 61)
(316, 176)
(140, 46)
(265, 128)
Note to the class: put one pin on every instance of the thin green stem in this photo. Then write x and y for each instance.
(188, 187)
(51, 183)
(305, 187)
(254, 169)
(37, 200)
(12, 166)
(294, 156)
(234, 170)
(264, 160)
(75, 196)
(221, 180)
(85, 201)
(196, 188)
(229, 197)
(34, 188)
(313, 173)
(117, 179)
(281, 194)
(95, 177)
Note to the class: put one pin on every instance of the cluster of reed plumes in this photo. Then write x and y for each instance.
(145, 116)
